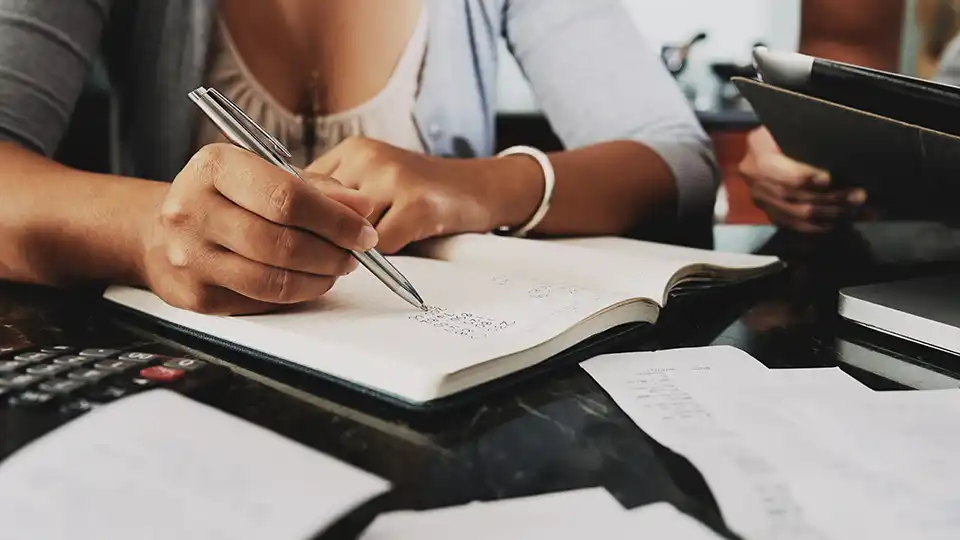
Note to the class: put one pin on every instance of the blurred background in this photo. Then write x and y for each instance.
(703, 42)
(729, 29)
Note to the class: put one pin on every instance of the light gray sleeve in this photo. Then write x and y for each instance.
(597, 79)
(45, 50)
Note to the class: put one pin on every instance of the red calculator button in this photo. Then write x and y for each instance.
(161, 374)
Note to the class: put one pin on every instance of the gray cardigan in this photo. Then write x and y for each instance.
(593, 75)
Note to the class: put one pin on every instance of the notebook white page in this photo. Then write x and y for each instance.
(681, 255)
(571, 265)
(573, 515)
(629, 267)
(362, 331)
(158, 465)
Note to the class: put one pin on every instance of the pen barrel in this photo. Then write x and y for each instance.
(380, 267)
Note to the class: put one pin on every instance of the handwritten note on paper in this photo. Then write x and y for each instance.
(834, 480)
(159, 465)
(572, 515)
(754, 497)
(461, 324)
(799, 453)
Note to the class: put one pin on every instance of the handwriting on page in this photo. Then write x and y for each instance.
(545, 291)
(462, 324)
(655, 390)
(673, 415)
(659, 394)
(539, 291)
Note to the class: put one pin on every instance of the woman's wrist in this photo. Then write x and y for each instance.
(114, 237)
(148, 197)
(48, 238)
(510, 187)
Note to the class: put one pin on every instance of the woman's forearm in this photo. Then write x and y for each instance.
(605, 189)
(863, 32)
(59, 225)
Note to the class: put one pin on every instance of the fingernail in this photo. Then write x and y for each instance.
(857, 196)
(368, 238)
(822, 179)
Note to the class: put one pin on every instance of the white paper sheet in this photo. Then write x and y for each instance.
(891, 457)
(573, 515)
(159, 465)
(801, 453)
(652, 389)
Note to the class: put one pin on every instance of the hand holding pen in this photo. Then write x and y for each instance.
(293, 209)
(233, 234)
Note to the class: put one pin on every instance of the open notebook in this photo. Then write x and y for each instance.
(498, 305)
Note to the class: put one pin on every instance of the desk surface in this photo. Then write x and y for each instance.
(560, 431)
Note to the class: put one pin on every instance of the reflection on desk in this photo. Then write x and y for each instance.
(557, 431)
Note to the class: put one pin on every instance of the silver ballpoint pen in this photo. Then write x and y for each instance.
(242, 131)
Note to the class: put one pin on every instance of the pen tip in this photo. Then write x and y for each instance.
(419, 299)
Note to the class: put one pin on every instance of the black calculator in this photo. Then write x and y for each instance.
(44, 387)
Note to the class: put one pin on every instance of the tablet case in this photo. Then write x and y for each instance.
(910, 171)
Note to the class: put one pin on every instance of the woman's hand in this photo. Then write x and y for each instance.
(416, 196)
(793, 194)
(234, 234)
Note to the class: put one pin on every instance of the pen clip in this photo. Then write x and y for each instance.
(253, 128)
(248, 122)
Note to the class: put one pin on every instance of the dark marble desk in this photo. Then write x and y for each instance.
(559, 430)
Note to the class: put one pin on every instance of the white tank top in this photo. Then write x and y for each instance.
(387, 117)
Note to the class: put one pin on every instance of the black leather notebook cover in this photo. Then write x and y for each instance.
(910, 171)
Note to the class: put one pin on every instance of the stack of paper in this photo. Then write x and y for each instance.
(574, 515)
(800, 453)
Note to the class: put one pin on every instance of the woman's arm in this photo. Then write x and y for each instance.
(794, 194)
(59, 225)
(635, 151)
(231, 234)
(862, 32)
(635, 156)
(55, 223)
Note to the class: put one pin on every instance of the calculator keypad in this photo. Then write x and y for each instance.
(141, 357)
(22, 381)
(115, 366)
(32, 398)
(61, 387)
(161, 374)
(59, 349)
(99, 353)
(73, 360)
(183, 364)
(10, 366)
(34, 357)
(47, 370)
(76, 380)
